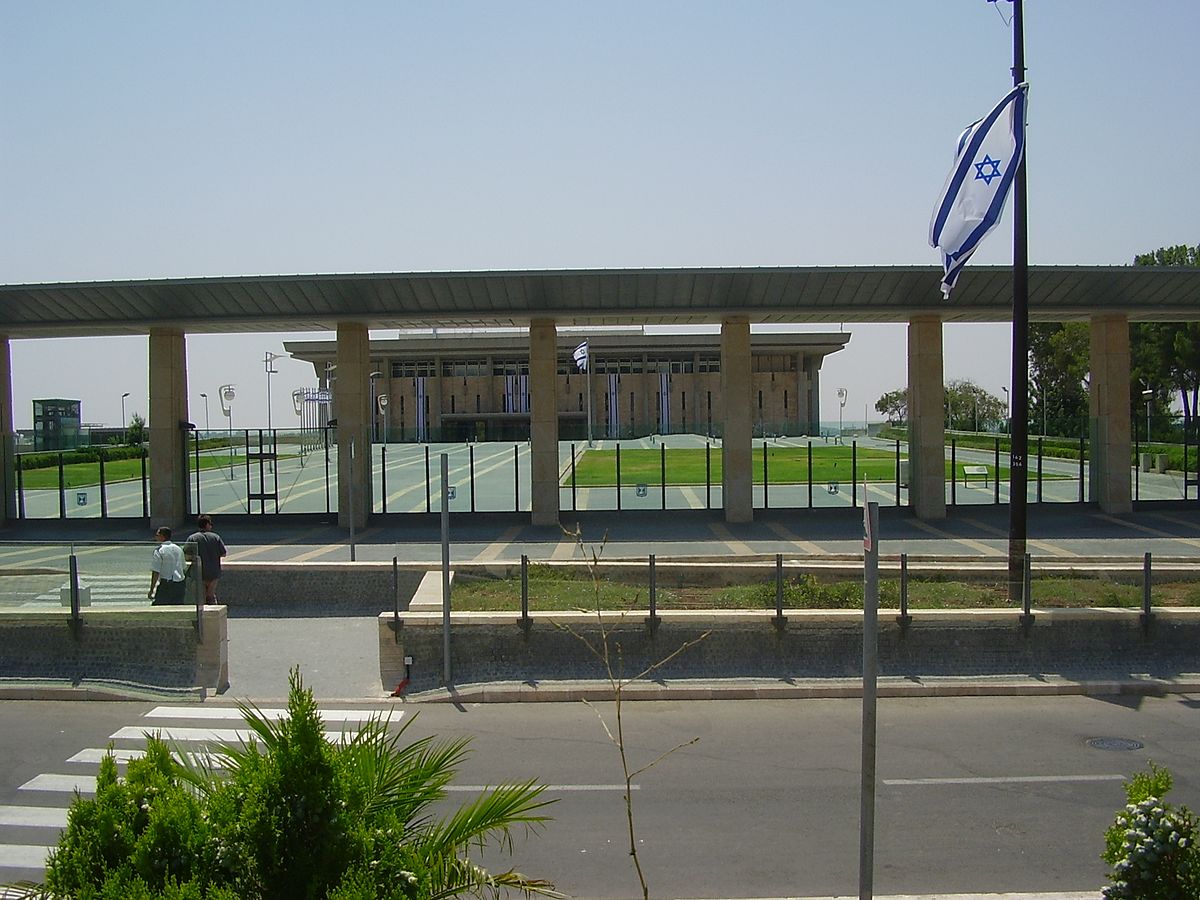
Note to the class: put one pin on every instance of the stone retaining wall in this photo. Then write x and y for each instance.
(155, 646)
(1078, 644)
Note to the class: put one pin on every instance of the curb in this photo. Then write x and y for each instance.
(824, 689)
(89, 689)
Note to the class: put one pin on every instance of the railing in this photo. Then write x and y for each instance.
(84, 575)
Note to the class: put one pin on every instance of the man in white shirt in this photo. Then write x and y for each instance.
(166, 570)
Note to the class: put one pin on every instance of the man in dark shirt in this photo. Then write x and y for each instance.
(209, 548)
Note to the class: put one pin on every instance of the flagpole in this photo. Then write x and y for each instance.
(587, 376)
(1019, 422)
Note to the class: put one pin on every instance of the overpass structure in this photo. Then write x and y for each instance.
(1108, 297)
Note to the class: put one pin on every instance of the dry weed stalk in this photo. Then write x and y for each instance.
(611, 658)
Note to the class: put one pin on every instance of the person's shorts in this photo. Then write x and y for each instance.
(169, 592)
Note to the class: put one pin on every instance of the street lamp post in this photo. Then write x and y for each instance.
(227, 394)
(124, 421)
(1147, 395)
(374, 409)
(268, 359)
(1007, 413)
(842, 394)
(206, 425)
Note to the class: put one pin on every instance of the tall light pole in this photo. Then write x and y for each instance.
(227, 393)
(124, 421)
(374, 409)
(842, 394)
(206, 425)
(268, 359)
(1147, 395)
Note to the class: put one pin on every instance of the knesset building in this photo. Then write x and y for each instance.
(1108, 297)
(456, 386)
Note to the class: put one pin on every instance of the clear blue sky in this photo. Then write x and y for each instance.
(149, 139)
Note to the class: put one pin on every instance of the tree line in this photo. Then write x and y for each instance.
(1164, 368)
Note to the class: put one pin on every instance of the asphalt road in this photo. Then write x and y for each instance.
(765, 804)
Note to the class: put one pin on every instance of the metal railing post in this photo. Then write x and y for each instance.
(73, 569)
(766, 480)
(145, 488)
(104, 486)
(779, 585)
(707, 475)
(445, 520)
(383, 476)
(1039, 472)
(524, 590)
(1147, 581)
(428, 490)
(471, 462)
(662, 473)
(854, 475)
(904, 618)
(1027, 592)
(62, 488)
(653, 620)
(996, 481)
(1082, 494)
(618, 477)
(810, 497)
(574, 501)
(897, 472)
(516, 479)
(953, 472)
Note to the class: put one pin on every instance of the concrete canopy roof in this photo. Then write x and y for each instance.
(590, 297)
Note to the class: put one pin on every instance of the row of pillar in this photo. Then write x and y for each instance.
(1109, 393)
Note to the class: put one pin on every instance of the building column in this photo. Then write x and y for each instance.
(165, 428)
(352, 407)
(1108, 405)
(737, 487)
(543, 421)
(8, 438)
(926, 419)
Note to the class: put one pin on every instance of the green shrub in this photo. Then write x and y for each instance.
(1152, 845)
(806, 591)
(290, 815)
(49, 459)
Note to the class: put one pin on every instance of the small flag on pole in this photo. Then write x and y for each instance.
(985, 164)
(580, 355)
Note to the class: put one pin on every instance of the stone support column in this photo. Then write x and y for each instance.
(352, 407)
(737, 488)
(167, 436)
(1108, 405)
(8, 439)
(926, 419)
(543, 420)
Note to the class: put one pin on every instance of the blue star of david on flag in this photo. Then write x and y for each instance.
(971, 203)
(987, 176)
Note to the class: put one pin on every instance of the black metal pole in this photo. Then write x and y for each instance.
(428, 499)
(104, 486)
(996, 481)
(766, 480)
(574, 504)
(1019, 426)
(707, 475)
(383, 478)
(62, 489)
(954, 472)
(471, 458)
(810, 474)
(145, 488)
(618, 477)
(662, 472)
(854, 476)
(516, 479)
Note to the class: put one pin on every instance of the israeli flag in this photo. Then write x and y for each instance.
(985, 164)
(580, 355)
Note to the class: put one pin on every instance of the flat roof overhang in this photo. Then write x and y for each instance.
(583, 297)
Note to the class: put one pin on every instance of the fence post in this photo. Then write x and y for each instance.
(897, 472)
(854, 475)
(810, 473)
(653, 620)
(618, 476)
(707, 475)
(76, 619)
(574, 504)
(145, 489)
(662, 472)
(1081, 491)
(525, 620)
(996, 481)
(953, 471)
(383, 475)
(20, 488)
(904, 619)
(445, 521)
(1147, 615)
(428, 499)
(1027, 590)
(104, 486)
(766, 480)
(471, 461)
(779, 619)
(62, 489)
(1039, 475)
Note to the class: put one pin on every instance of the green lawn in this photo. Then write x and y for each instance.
(77, 475)
(785, 465)
(549, 591)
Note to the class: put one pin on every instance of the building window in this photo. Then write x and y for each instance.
(710, 364)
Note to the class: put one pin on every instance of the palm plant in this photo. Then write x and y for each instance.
(292, 814)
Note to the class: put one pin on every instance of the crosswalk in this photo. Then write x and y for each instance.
(113, 590)
(30, 827)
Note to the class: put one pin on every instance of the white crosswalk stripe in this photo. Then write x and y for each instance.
(33, 829)
(105, 589)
